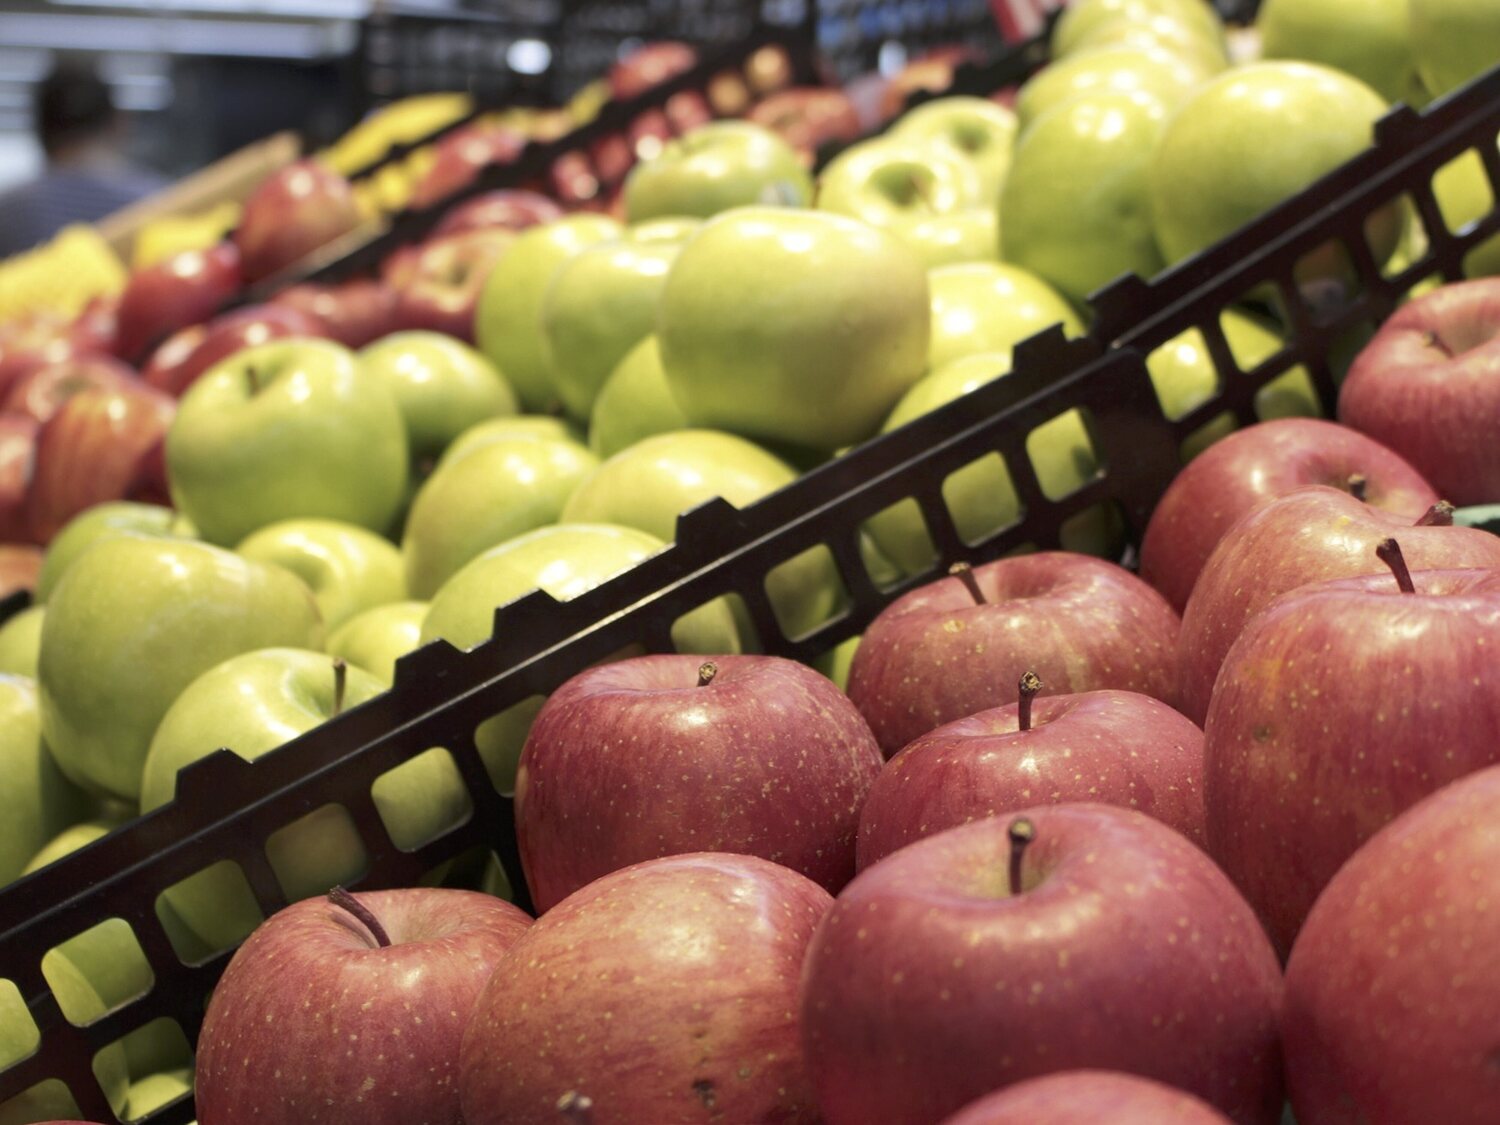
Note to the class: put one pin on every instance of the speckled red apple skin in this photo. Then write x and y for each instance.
(1112, 747)
(633, 760)
(1088, 1097)
(665, 992)
(927, 985)
(1340, 705)
(1082, 624)
(1392, 986)
(312, 1024)
(1311, 535)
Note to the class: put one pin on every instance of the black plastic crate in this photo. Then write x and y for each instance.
(227, 808)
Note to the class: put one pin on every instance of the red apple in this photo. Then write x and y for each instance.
(1088, 1097)
(161, 369)
(808, 117)
(942, 652)
(296, 210)
(1340, 705)
(663, 992)
(1309, 535)
(1107, 941)
(658, 755)
(1393, 985)
(184, 357)
(321, 1008)
(184, 289)
(39, 340)
(649, 65)
(1114, 747)
(1428, 386)
(97, 327)
(355, 313)
(17, 455)
(20, 563)
(1254, 465)
(40, 394)
(446, 276)
(512, 209)
(461, 155)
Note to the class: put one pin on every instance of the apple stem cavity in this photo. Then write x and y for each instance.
(252, 377)
(576, 1108)
(1021, 833)
(345, 901)
(965, 574)
(706, 673)
(1357, 484)
(1389, 552)
(1439, 515)
(1030, 684)
(340, 684)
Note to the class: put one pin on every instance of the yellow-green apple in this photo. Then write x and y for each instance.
(442, 385)
(357, 1002)
(17, 455)
(447, 274)
(1161, 30)
(978, 129)
(543, 426)
(1428, 386)
(507, 321)
(835, 662)
(635, 402)
(157, 1090)
(689, 966)
(101, 522)
(957, 646)
(75, 836)
(1082, 19)
(294, 211)
(753, 755)
(375, 639)
(285, 430)
(1464, 196)
(890, 181)
(490, 495)
(1370, 39)
(657, 479)
(21, 642)
(1394, 664)
(132, 623)
(1254, 466)
(970, 235)
(41, 392)
(1076, 204)
(510, 208)
(461, 155)
(1389, 994)
(1087, 1097)
(348, 569)
(1168, 77)
(1304, 536)
(713, 168)
(808, 117)
(1107, 940)
(565, 560)
(40, 801)
(184, 289)
(793, 326)
(1114, 747)
(355, 312)
(175, 365)
(1454, 41)
(990, 307)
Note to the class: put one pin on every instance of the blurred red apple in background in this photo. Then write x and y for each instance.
(19, 566)
(296, 210)
(181, 290)
(354, 313)
(175, 366)
(97, 327)
(808, 117)
(17, 453)
(445, 278)
(513, 209)
(39, 394)
(461, 155)
(648, 65)
(37, 340)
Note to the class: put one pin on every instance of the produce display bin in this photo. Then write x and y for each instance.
(227, 809)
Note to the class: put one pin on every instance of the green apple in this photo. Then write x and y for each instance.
(442, 386)
(286, 430)
(946, 240)
(19, 1039)
(542, 426)
(1369, 39)
(1171, 78)
(634, 403)
(836, 661)
(1455, 41)
(566, 560)
(1083, 19)
(21, 641)
(673, 228)
(133, 622)
(1166, 32)
(990, 307)
(40, 802)
(977, 129)
(374, 639)
(152, 1092)
(650, 484)
(71, 838)
(348, 569)
(793, 326)
(715, 167)
(494, 493)
(111, 518)
(1464, 196)
(890, 180)
(1077, 203)
(1216, 167)
(507, 319)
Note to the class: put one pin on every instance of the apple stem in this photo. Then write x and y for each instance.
(340, 682)
(1021, 833)
(965, 574)
(1389, 552)
(1439, 515)
(576, 1108)
(1357, 485)
(1431, 340)
(345, 901)
(706, 673)
(1030, 684)
(252, 377)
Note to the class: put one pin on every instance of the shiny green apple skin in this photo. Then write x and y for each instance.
(19, 1040)
(1169, 77)
(507, 318)
(375, 639)
(134, 622)
(442, 386)
(348, 569)
(1366, 38)
(500, 490)
(565, 560)
(1077, 203)
(1165, 32)
(1454, 41)
(1249, 139)
(71, 838)
(543, 426)
(21, 642)
(650, 484)
(949, 240)
(635, 402)
(1083, 19)
(977, 129)
(286, 430)
(39, 801)
(152, 1092)
(793, 326)
(889, 180)
(713, 168)
(982, 307)
(110, 518)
